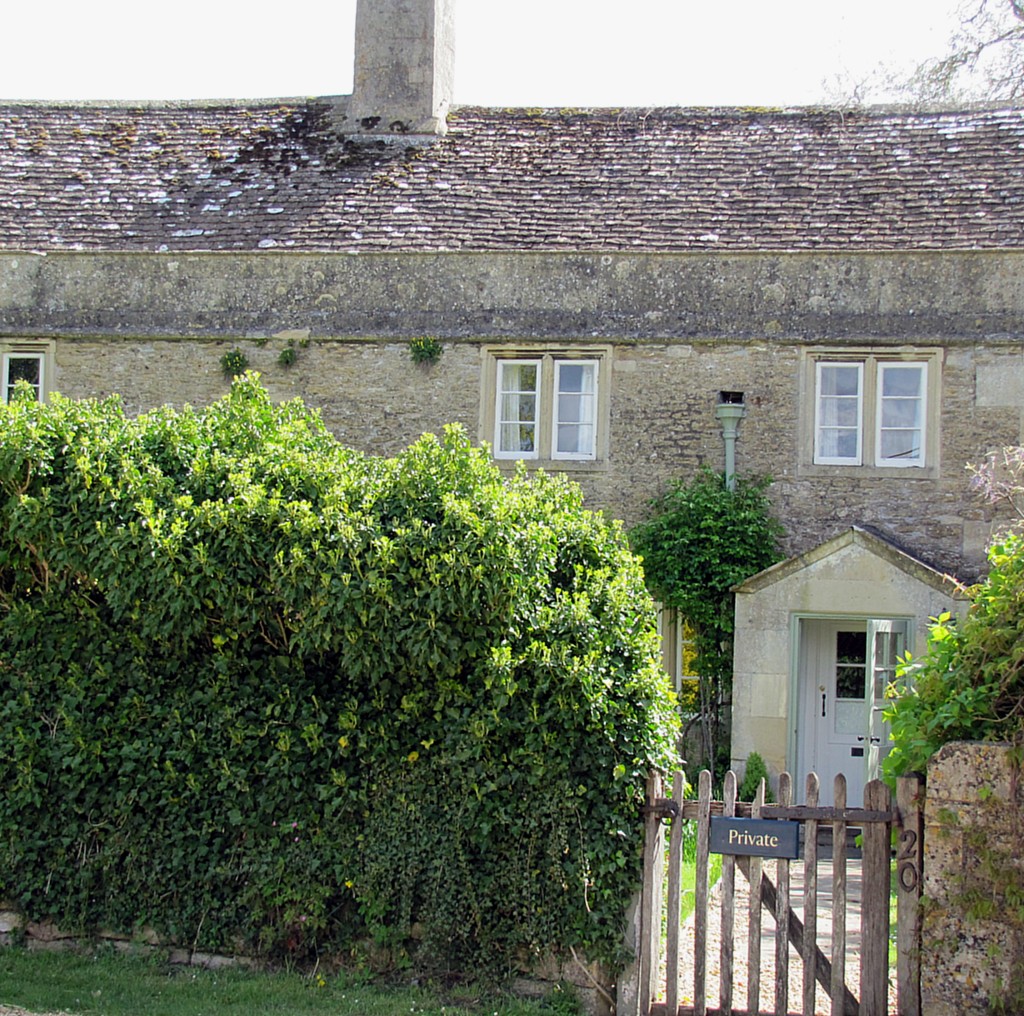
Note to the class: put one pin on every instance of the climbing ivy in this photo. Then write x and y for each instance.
(700, 540)
(260, 690)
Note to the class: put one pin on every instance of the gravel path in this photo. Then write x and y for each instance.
(795, 980)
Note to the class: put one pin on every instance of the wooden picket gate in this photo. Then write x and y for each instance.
(877, 820)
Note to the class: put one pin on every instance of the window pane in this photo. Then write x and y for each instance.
(852, 647)
(518, 407)
(901, 412)
(851, 661)
(837, 442)
(519, 377)
(899, 379)
(575, 439)
(900, 444)
(573, 408)
(850, 682)
(843, 379)
(839, 412)
(575, 377)
(887, 650)
(518, 437)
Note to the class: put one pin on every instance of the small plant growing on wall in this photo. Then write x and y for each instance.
(234, 362)
(425, 349)
(287, 355)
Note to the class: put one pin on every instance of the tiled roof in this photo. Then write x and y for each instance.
(246, 177)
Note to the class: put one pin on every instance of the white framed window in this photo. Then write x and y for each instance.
(574, 426)
(875, 410)
(29, 362)
(546, 404)
(839, 413)
(901, 414)
(517, 420)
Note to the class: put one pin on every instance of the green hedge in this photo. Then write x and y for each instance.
(260, 691)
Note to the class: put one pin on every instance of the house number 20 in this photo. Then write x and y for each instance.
(906, 861)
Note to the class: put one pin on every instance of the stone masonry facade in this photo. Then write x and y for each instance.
(152, 328)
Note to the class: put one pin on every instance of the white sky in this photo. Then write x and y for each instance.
(518, 53)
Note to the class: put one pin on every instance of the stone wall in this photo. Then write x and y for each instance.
(45, 935)
(590, 981)
(973, 939)
(913, 296)
(682, 329)
(662, 421)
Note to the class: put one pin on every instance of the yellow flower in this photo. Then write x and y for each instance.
(412, 756)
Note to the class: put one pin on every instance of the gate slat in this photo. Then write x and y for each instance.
(782, 913)
(650, 899)
(838, 900)
(675, 857)
(700, 914)
(728, 891)
(796, 936)
(874, 915)
(754, 919)
(810, 898)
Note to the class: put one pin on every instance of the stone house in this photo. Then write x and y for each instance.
(602, 281)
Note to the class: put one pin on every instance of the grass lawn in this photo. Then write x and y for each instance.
(110, 984)
(688, 882)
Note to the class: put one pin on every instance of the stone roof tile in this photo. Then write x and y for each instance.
(222, 177)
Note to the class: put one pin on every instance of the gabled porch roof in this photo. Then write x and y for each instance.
(868, 541)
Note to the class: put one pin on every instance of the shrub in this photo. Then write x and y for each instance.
(260, 689)
(701, 539)
(754, 771)
(969, 685)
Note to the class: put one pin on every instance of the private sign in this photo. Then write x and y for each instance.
(755, 837)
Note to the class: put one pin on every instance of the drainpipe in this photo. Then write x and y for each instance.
(729, 411)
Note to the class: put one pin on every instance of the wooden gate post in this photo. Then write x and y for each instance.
(874, 917)
(635, 985)
(909, 876)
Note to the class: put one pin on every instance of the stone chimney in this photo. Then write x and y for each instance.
(404, 67)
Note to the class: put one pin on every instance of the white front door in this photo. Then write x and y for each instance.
(844, 666)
